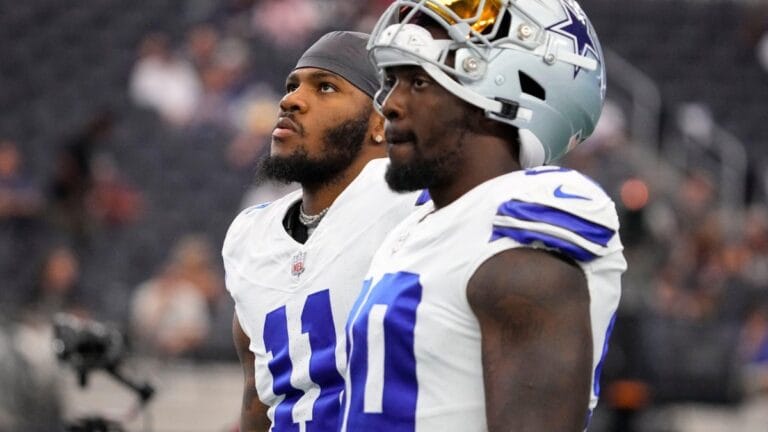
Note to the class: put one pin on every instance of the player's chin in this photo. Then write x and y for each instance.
(283, 146)
(404, 177)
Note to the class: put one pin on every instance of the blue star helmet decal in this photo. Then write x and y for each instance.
(576, 28)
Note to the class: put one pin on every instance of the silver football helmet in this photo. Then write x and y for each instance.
(534, 64)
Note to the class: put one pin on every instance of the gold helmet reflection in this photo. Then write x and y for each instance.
(468, 10)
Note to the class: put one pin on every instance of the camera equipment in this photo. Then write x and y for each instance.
(88, 345)
(94, 424)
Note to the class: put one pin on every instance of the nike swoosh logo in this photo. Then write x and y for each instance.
(560, 194)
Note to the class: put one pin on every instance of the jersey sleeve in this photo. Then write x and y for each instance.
(562, 211)
(235, 248)
(237, 242)
(237, 231)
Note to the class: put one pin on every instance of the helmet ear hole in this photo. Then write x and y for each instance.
(530, 87)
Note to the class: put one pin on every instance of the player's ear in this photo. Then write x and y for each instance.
(376, 128)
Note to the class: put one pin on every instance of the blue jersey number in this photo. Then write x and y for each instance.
(382, 362)
(317, 324)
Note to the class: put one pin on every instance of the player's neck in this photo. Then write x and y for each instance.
(482, 161)
(318, 197)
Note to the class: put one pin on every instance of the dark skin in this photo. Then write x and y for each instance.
(532, 306)
(536, 339)
(315, 102)
(253, 414)
(486, 156)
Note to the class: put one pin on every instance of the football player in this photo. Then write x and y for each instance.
(490, 307)
(295, 266)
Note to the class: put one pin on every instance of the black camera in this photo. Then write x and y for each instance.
(87, 345)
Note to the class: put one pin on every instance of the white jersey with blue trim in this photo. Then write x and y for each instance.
(292, 299)
(414, 344)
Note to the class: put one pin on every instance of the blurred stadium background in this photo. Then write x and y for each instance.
(129, 133)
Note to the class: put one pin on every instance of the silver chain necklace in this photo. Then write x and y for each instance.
(311, 221)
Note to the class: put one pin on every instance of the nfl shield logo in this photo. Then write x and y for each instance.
(297, 266)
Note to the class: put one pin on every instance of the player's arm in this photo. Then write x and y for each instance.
(253, 417)
(533, 310)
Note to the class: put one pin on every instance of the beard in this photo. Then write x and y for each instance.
(423, 172)
(340, 147)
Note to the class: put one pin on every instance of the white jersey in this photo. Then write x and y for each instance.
(414, 342)
(292, 299)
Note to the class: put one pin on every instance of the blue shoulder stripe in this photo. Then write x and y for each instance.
(533, 212)
(527, 237)
(257, 207)
(546, 170)
(423, 198)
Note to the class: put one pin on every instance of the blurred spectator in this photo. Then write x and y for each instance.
(755, 268)
(201, 43)
(754, 348)
(696, 197)
(271, 20)
(171, 312)
(57, 287)
(256, 118)
(229, 8)
(223, 82)
(21, 228)
(73, 176)
(687, 280)
(695, 279)
(112, 200)
(370, 13)
(19, 198)
(164, 82)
